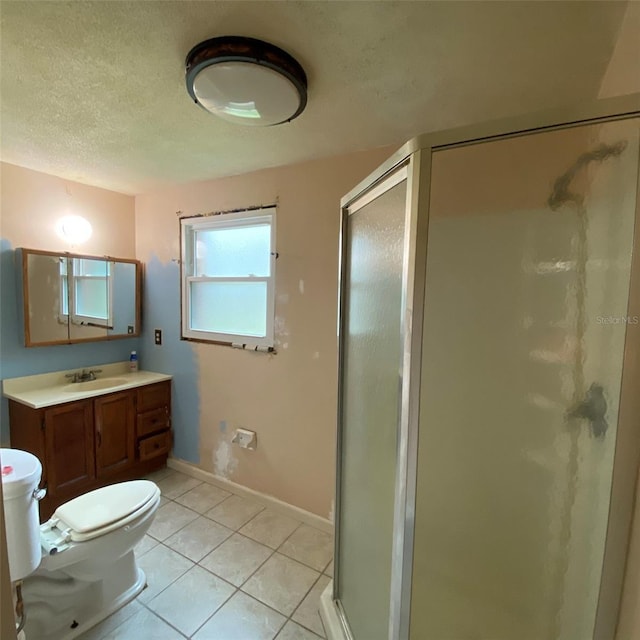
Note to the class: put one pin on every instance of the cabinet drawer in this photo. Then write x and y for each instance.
(151, 421)
(154, 445)
(152, 396)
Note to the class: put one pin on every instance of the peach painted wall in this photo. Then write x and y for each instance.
(289, 398)
(32, 202)
(30, 205)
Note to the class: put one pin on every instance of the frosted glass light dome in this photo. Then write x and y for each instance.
(246, 81)
(74, 229)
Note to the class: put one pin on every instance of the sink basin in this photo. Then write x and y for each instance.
(94, 385)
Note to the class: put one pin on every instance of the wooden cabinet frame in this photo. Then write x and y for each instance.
(86, 444)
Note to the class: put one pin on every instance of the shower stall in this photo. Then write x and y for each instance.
(489, 405)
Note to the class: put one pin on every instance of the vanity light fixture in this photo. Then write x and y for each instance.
(246, 81)
(74, 229)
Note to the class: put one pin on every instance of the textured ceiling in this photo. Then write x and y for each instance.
(94, 91)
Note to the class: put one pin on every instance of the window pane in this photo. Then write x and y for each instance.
(240, 251)
(90, 267)
(229, 307)
(91, 297)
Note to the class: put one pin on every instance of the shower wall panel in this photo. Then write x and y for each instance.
(528, 268)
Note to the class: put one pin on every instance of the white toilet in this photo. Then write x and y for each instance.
(88, 569)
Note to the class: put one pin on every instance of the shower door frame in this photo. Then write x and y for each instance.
(400, 167)
(416, 155)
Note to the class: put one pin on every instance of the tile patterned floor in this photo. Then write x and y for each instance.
(223, 567)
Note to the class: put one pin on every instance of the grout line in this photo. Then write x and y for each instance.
(303, 599)
(157, 615)
(290, 616)
(233, 531)
(267, 545)
(258, 567)
(320, 571)
(165, 588)
(233, 593)
(225, 525)
(264, 604)
(236, 588)
(217, 504)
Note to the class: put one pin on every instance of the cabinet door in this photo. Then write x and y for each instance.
(115, 424)
(70, 459)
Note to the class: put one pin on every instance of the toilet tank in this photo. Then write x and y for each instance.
(21, 473)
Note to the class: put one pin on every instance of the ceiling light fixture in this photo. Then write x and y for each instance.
(246, 81)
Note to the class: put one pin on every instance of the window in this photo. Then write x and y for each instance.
(86, 288)
(228, 277)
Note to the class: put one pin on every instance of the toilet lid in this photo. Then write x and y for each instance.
(105, 506)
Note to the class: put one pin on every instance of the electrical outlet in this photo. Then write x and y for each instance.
(245, 439)
(158, 336)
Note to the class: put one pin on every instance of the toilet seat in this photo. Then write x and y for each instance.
(98, 512)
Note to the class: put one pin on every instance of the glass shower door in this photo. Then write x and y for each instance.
(370, 383)
(527, 286)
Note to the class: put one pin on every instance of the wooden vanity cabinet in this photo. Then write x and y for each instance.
(153, 420)
(86, 444)
(115, 417)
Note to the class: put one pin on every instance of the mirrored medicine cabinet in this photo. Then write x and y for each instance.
(70, 298)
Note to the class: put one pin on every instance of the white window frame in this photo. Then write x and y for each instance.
(188, 228)
(71, 278)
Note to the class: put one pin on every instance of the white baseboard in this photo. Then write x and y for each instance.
(329, 615)
(290, 510)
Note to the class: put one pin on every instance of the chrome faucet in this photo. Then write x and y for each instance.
(83, 376)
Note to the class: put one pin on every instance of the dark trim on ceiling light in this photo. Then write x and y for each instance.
(251, 50)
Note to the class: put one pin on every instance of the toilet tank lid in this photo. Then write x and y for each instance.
(21, 472)
(107, 505)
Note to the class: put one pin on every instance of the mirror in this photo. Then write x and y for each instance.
(71, 298)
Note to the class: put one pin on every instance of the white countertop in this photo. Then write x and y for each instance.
(48, 389)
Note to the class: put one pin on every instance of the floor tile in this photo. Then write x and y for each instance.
(176, 484)
(170, 519)
(309, 546)
(242, 618)
(234, 511)
(307, 613)
(161, 566)
(293, 631)
(144, 625)
(329, 570)
(146, 544)
(203, 497)
(159, 474)
(270, 528)
(191, 599)
(198, 538)
(114, 620)
(281, 583)
(236, 558)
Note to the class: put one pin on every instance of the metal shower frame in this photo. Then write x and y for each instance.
(414, 158)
